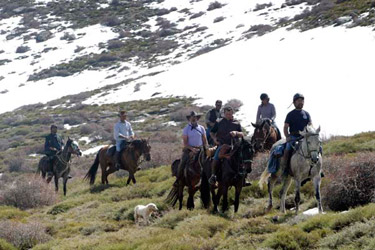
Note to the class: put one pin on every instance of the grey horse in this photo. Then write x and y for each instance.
(305, 164)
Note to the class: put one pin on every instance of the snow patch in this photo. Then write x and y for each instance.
(93, 150)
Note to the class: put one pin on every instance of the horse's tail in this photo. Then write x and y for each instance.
(91, 174)
(38, 169)
(205, 191)
(263, 178)
(172, 196)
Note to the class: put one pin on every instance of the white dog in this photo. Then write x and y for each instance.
(144, 212)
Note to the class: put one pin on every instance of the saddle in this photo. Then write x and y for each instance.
(112, 149)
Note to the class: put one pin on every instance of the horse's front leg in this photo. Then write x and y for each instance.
(225, 199)
(216, 198)
(180, 195)
(237, 198)
(56, 183)
(65, 181)
(190, 202)
(287, 180)
(317, 180)
(270, 184)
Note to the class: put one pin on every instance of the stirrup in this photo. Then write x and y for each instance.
(212, 180)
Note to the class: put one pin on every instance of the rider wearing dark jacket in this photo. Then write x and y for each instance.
(211, 118)
(52, 145)
(222, 133)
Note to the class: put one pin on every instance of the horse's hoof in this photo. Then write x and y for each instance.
(269, 208)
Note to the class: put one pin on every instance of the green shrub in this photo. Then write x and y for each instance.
(291, 238)
(4, 245)
(12, 213)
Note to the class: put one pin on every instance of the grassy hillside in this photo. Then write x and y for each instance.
(102, 218)
(363, 142)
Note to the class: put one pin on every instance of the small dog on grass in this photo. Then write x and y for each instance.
(144, 212)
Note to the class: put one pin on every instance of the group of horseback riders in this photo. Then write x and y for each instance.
(223, 131)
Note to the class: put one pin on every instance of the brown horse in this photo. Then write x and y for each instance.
(129, 157)
(191, 179)
(265, 135)
(61, 166)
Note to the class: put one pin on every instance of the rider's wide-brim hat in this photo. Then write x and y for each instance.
(193, 114)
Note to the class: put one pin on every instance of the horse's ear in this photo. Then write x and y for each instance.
(68, 138)
(303, 133)
(318, 130)
(254, 125)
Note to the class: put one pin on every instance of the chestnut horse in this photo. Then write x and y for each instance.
(129, 157)
(265, 135)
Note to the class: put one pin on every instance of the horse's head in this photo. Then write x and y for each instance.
(73, 147)
(261, 133)
(146, 149)
(311, 143)
(246, 154)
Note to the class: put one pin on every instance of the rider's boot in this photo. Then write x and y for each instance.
(117, 160)
(214, 166)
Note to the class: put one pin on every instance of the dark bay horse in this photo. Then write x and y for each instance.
(231, 173)
(61, 166)
(265, 135)
(129, 157)
(191, 179)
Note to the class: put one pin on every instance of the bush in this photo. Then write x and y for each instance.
(4, 144)
(23, 236)
(234, 103)
(196, 15)
(16, 164)
(262, 6)
(214, 5)
(28, 192)
(88, 129)
(111, 21)
(352, 182)
(22, 49)
(219, 19)
(6, 246)
(291, 238)
(163, 154)
(180, 115)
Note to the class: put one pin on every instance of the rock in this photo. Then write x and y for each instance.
(43, 36)
(1, 78)
(342, 20)
(20, 10)
(22, 49)
(53, 25)
(68, 36)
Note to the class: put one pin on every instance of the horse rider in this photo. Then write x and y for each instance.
(53, 144)
(211, 117)
(224, 131)
(296, 121)
(267, 110)
(122, 133)
(194, 139)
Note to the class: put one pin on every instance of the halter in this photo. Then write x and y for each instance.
(308, 157)
(265, 138)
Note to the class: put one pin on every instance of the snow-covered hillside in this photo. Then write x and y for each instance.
(235, 49)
